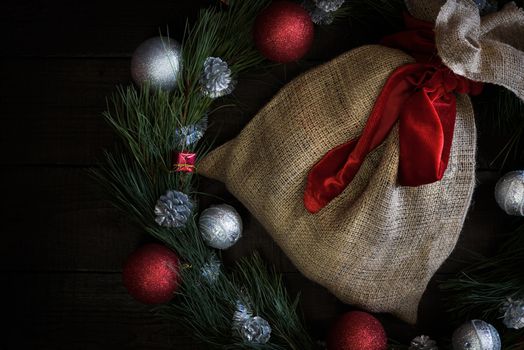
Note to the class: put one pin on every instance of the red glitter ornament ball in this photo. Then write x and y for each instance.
(151, 274)
(357, 330)
(283, 32)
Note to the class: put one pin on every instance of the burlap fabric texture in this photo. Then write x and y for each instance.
(488, 49)
(376, 245)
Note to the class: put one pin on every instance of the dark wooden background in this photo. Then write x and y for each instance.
(63, 245)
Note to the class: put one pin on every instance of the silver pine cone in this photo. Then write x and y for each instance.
(513, 310)
(188, 135)
(173, 209)
(329, 5)
(256, 330)
(210, 271)
(252, 329)
(321, 17)
(216, 79)
(318, 16)
(423, 342)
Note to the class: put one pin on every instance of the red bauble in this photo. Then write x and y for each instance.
(357, 330)
(283, 32)
(151, 274)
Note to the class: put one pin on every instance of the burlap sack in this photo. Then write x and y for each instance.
(488, 49)
(377, 244)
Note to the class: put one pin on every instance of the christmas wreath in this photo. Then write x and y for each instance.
(162, 119)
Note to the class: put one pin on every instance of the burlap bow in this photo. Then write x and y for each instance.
(489, 49)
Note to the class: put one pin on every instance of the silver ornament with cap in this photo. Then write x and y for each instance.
(476, 335)
(158, 62)
(220, 226)
(509, 193)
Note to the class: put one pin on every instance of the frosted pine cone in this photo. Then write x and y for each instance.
(252, 329)
(513, 313)
(318, 16)
(329, 5)
(187, 135)
(423, 342)
(216, 79)
(173, 209)
(210, 271)
(256, 330)
(321, 17)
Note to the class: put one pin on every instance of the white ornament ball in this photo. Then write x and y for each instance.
(476, 335)
(220, 226)
(509, 193)
(157, 61)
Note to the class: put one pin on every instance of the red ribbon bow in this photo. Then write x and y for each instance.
(421, 97)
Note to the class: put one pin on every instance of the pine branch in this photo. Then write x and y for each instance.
(501, 113)
(138, 172)
(225, 34)
(481, 289)
(208, 309)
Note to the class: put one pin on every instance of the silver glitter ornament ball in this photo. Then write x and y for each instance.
(476, 335)
(509, 193)
(220, 226)
(157, 61)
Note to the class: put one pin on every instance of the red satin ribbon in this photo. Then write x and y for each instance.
(421, 97)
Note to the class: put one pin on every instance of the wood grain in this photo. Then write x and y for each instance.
(63, 244)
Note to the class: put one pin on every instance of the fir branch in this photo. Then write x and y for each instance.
(208, 309)
(220, 33)
(501, 113)
(138, 172)
(482, 288)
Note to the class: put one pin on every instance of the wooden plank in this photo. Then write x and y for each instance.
(94, 311)
(73, 216)
(56, 106)
(90, 29)
(61, 219)
(64, 245)
(66, 225)
(82, 311)
(53, 82)
(114, 29)
(61, 213)
(58, 219)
